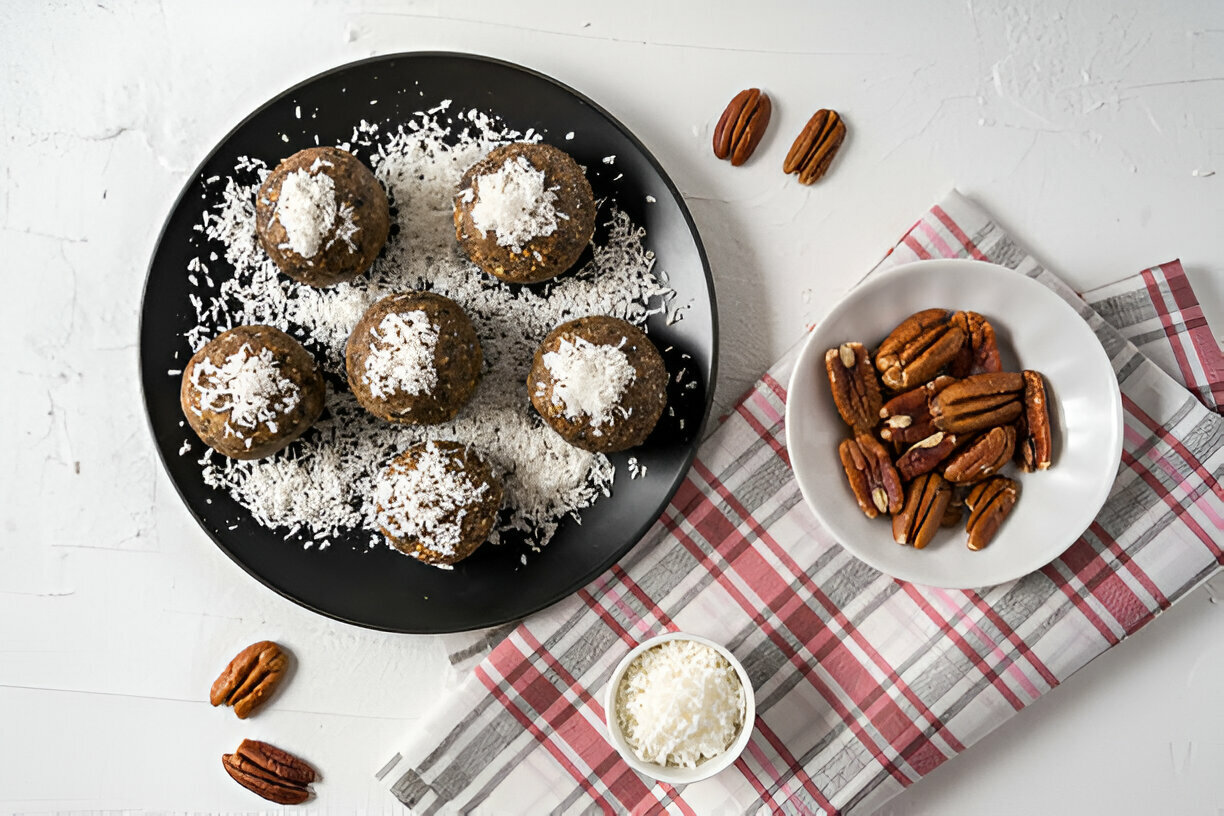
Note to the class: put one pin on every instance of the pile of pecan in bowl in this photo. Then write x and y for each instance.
(954, 419)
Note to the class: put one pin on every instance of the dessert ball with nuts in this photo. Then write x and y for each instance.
(414, 357)
(251, 391)
(599, 382)
(437, 502)
(525, 212)
(322, 216)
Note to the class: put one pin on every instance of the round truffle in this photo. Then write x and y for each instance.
(251, 391)
(413, 357)
(525, 212)
(599, 382)
(322, 216)
(437, 502)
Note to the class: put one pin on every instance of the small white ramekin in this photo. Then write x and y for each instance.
(663, 773)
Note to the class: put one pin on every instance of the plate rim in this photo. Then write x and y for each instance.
(711, 381)
(1116, 416)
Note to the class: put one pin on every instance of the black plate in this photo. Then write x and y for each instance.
(379, 588)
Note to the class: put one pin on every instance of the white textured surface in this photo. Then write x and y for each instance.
(1091, 130)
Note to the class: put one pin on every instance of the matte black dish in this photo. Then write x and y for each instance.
(379, 588)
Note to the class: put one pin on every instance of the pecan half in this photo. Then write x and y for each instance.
(980, 352)
(926, 454)
(266, 770)
(979, 402)
(983, 457)
(874, 480)
(989, 503)
(741, 126)
(250, 678)
(1036, 443)
(926, 501)
(907, 416)
(815, 146)
(856, 393)
(915, 351)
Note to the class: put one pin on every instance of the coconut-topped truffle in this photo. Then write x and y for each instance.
(251, 391)
(437, 502)
(599, 382)
(525, 212)
(322, 216)
(589, 380)
(414, 357)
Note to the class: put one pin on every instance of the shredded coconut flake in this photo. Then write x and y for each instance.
(588, 379)
(248, 387)
(308, 211)
(513, 203)
(401, 358)
(679, 704)
(326, 483)
(427, 502)
(312, 489)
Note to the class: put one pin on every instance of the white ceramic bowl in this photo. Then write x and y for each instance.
(1036, 329)
(678, 776)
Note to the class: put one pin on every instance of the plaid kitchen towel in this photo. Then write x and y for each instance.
(1157, 311)
(863, 683)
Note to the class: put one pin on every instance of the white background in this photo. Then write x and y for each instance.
(1090, 129)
